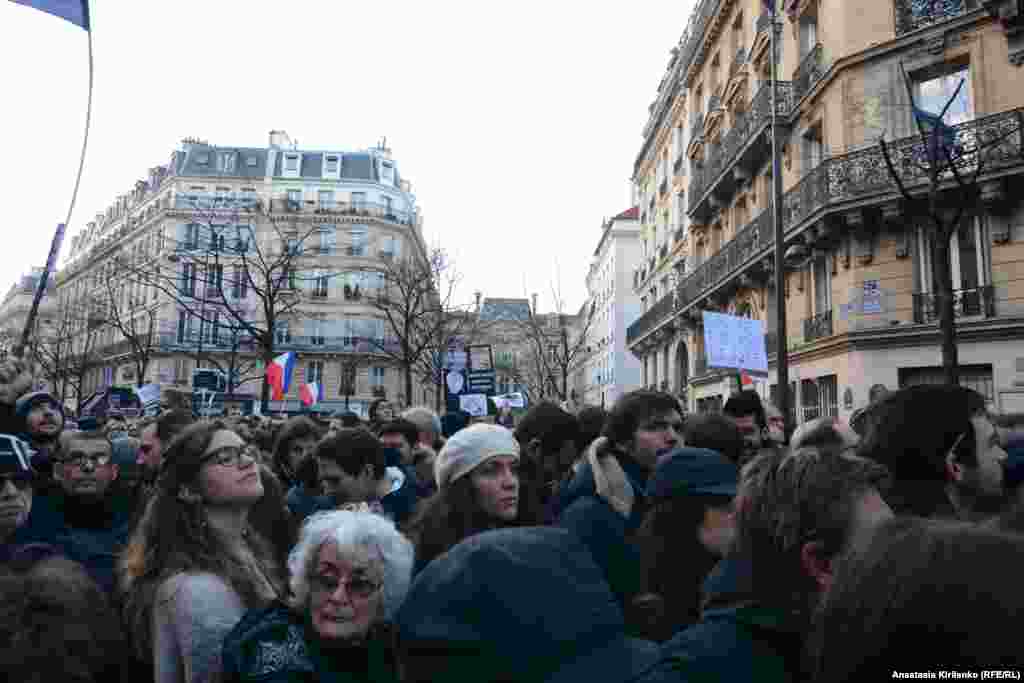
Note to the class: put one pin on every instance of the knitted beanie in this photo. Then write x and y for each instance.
(468, 448)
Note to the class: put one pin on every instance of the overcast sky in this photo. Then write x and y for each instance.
(517, 124)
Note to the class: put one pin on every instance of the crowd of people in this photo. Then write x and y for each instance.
(634, 544)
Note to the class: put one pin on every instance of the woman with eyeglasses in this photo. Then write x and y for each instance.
(350, 571)
(194, 565)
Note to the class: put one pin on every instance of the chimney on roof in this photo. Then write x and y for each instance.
(478, 294)
(280, 139)
(534, 298)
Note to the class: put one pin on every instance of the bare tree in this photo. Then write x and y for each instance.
(461, 328)
(938, 176)
(67, 350)
(416, 300)
(554, 343)
(241, 269)
(135, 320)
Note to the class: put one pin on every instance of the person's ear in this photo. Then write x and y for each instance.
(954, 470)
(817, 564)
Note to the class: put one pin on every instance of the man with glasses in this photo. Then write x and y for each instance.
(82, 517)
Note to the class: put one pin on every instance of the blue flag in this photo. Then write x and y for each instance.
(75, 11)
(769, 6)
(941, 136)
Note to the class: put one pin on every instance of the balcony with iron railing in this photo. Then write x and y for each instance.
(658, 313)
(334, 208)
(812, 69)
(697, 126)
(738, 61)
(746, 144)
(994, 142)
(967, 303)
(749, 244)
(912, 15)
(818, 326)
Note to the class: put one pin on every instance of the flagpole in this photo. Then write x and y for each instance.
(782, 351)
(58, 235)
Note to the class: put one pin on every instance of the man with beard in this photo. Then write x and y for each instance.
(42, 420)
(943, 451)
(82, 517)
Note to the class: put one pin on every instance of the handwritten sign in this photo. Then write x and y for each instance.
(735, 343)
(474, 404)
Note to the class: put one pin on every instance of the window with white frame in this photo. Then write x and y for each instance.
(935, 88)
(316, 331)
(358, 200)
(970, 261)
(294, 199)
(326, 199)
(391, 247)
(188, 279)
(332, 166)
(283, 332)
(320, 283)
(378, 374)
(239, 282)
(387, 172)
(184, 327)
(359, 236)
(292, 164)
(314, 371)
(226, 162)
(822, 285)
(328, 238)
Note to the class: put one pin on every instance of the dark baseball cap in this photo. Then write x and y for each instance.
(693, 472)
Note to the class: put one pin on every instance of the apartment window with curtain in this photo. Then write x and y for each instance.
(377, 376)
(320, 284)
(239, 282)
(188, 279)
(328, 237)
(326, 199)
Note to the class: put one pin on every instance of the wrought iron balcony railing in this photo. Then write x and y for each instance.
(912, 15)
(663, 309)
(812, 69)
(818, 326)
(679, 167)
(749, 124)
(979, 301)
(738, 61)
(697, 126)
(994, 142)
(737, 252)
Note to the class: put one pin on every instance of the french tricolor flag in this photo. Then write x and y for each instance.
(279, 375)
(311, 393)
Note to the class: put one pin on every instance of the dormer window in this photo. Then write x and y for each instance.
(203, 158)
(292, 163)
(332, 165)
(387, 172)
(226, 162)
(251, 161)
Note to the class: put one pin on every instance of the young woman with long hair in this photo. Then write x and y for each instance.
(478, 481)
(194, 565)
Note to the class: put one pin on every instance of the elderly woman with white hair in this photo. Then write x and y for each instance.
(350, 572)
